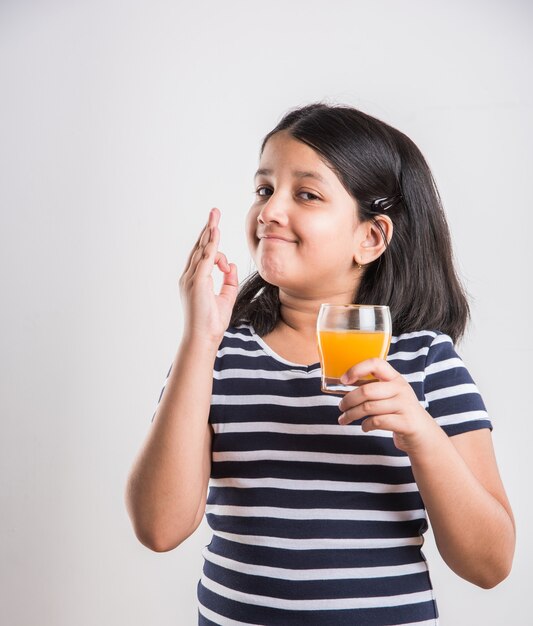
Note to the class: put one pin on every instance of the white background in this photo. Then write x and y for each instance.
(121, 125)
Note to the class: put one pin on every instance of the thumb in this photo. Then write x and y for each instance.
(379, 368)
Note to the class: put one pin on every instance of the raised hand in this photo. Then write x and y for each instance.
(207, 314)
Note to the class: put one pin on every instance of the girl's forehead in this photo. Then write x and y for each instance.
(283, 145)
(282, 153)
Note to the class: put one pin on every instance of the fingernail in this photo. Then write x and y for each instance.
(344, 379)
(342, 418)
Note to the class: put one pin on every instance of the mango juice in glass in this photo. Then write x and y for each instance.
(348, 334)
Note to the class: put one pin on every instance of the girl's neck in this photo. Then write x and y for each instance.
(294, 337)
(301, 321)
(299, 315)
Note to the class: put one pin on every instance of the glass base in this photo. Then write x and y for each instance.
(334, 385)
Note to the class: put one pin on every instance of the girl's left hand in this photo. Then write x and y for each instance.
(390, 404)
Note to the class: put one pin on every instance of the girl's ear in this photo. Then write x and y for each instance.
(371, 243)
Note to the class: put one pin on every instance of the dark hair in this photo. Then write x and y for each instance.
(415, 275)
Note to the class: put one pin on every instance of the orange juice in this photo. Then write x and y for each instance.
(342, 349)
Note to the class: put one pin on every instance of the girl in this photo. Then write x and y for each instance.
(318, 503)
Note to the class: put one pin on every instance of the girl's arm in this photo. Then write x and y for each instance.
(467, 505)
(457, 476)
(167, 486)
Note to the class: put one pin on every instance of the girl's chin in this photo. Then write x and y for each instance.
(271, 269)
(274, 278)
(282, 281)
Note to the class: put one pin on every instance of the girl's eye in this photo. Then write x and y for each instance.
(308, 193)
(313, 197)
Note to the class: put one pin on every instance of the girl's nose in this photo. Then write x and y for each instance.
(273, 210)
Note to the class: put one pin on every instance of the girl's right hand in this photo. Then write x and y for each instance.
(207, 315)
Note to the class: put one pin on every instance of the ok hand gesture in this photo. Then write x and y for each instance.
(207, 314)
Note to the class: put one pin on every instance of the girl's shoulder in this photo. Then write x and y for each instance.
(242, 349)
(241, 335)
(426, 352)
(239, 332)
(420, 339)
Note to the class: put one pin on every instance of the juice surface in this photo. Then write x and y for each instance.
(340, 350)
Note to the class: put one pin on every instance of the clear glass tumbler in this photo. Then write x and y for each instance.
(348, 334)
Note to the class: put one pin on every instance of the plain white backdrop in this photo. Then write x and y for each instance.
(121, 125)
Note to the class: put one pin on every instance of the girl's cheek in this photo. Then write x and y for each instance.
(252, 243)
(251, 227)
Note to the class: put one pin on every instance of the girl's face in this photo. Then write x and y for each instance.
(302, 231)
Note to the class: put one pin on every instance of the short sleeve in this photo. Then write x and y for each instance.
(451, 395)
(161, 394)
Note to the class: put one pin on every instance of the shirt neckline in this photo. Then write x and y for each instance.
(274, 355)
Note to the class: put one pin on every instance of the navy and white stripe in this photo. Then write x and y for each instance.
(316, 523)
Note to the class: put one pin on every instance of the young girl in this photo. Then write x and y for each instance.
(318, 503)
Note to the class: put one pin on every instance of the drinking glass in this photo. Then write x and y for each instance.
(348, 334)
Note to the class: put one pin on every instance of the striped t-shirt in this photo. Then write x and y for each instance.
(315, 523)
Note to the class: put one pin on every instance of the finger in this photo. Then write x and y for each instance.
(369, 391)
(196, 255)
(210, 255)
(369, 408)
(378, 368)
(391, 422)
(194, 251)
(199, 251)
(222, 262)
(199, 242)
(230, 286)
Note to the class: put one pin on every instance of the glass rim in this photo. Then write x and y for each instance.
(354, 306)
